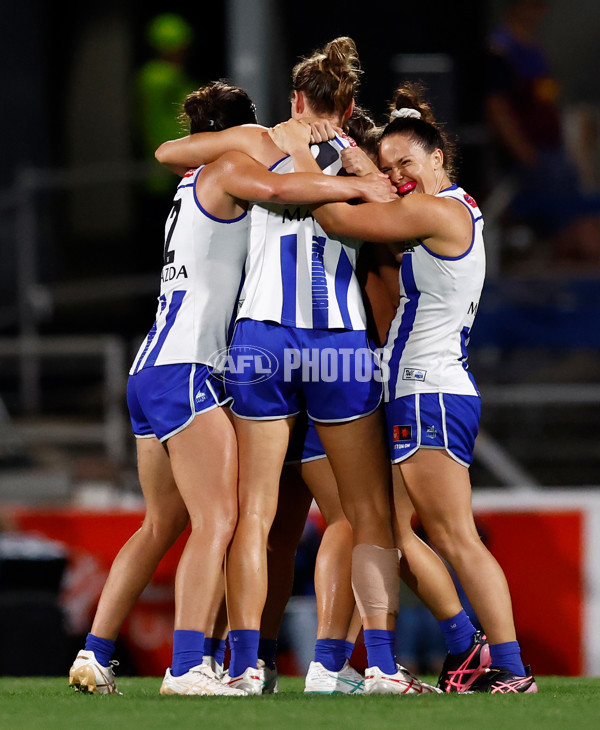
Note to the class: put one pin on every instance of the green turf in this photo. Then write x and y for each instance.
(49, 704)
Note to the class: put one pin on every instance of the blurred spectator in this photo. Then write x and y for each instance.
(523, 112)
(161, 83)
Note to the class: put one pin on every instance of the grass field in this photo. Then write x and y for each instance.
(49, 704)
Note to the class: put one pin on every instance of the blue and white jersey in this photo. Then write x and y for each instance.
(297, 274)
(201, 278)
(426, 347)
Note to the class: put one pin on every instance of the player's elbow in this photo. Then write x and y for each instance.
(162, 155)
(277, 191)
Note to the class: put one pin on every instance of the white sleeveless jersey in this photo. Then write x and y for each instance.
(426, 347)
(297, 274)
(200, 282)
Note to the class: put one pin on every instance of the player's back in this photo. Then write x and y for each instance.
(297, 274)
(202, 270)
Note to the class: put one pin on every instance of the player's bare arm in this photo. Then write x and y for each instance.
(241, 177)
(419, 216)
(204, 147)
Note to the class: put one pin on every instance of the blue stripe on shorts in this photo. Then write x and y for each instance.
(164, 399)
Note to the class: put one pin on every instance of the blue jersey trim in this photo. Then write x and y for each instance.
(174, 307)
(408, 315)
(207, 214)
(465, 335)
(468, 251)
(318, 283)
(343, 276)
(288, 260)
(151, 335)
(452, 187)
(274, 165)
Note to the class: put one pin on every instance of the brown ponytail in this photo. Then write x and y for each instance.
(329, 77)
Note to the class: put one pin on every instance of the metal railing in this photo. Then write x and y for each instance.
(113, 429)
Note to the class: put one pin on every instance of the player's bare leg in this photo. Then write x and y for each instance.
(420, 567)
(210, 497)
(216, 631)
(204, 462)
(333, 583)
(165, 519)
(364, 485)
(331, 672)
(440, 489)
(262, 447)
(284, 537)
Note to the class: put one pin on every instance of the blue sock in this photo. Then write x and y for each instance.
(348, 649)
(267, 650)
(244, 650)
(188, 650)
(380, 649)
(215, 648)
(458, 632)
(103, 648)
(331, 653)
(508, 656)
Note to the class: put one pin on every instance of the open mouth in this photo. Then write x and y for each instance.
(407, 188)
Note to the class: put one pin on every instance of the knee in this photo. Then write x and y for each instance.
(220, 520)
(454, 544)
(340, 531)
(376, 521)
(165, 527)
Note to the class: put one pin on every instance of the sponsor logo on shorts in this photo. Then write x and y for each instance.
(414, 374)
(200, 397)
(402, 433)
(432, 432)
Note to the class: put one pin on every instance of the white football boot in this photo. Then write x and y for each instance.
(400, 683)
(88, 675)
(320, 680)
(271, 682)
(211, 662)
(252, 681)
(200, 680)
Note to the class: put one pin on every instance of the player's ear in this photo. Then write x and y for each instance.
(298, 103)
(350, 110)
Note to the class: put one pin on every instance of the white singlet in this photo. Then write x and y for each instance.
(426, 348)
(200, 282)
(298, 275)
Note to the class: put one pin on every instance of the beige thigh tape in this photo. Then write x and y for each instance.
(376, 579)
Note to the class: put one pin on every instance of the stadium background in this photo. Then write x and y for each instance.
(80, 230)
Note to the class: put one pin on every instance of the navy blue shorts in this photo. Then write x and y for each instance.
(305, 444)
(433, 421)
(274, 371)
(164, 399)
